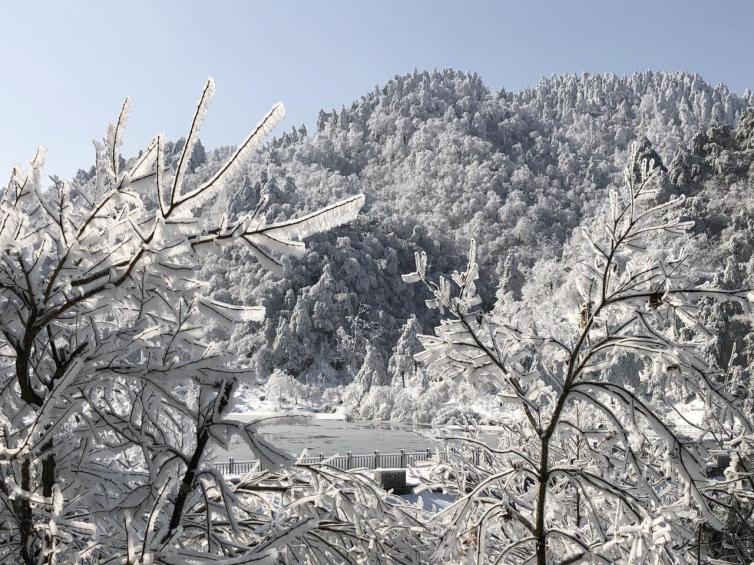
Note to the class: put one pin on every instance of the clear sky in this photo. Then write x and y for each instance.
(67, 65)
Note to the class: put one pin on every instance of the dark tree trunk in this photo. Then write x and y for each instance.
(22, 508)
(539, 525)
(48, 469)
(187, 484)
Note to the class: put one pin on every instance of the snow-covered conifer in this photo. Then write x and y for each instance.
(372, 372)
(402, 366)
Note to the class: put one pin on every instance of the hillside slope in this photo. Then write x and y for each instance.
(443, 158)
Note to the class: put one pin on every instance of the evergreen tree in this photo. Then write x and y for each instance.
(372, 372)
(402, 367)
(301, 352)
(282, 346)
(511, 280)
(324, 306)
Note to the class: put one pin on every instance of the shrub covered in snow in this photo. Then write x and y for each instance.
(116, 377)
(588, 468)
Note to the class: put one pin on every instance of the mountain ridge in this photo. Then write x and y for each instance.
(443, 158)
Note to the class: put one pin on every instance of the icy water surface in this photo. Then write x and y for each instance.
(331, 437)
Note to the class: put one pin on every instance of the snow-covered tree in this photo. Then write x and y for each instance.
(111, 395)
(297, 354)
(372, 372)
(511, 280)
(402, 366)
(588, 469)
(283, 388)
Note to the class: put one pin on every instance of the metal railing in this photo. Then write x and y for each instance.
(401, 460)
(376, 460)
(232, 467)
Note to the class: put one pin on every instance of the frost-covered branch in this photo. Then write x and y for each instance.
(599, 449)
(112, 393)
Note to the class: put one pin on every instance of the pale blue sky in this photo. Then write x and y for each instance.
(67, 65)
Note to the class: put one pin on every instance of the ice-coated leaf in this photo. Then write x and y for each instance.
(322, 220)
(411, 278)
(230, 312)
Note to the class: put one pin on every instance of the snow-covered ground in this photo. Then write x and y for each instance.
(255, 400)
(428, 500)
(330, 433)
(689, 418)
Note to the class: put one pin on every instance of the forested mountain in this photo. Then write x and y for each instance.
(583, 253)
(442, 158)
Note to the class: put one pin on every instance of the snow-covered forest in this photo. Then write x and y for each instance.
(443, 159)
(570, 266)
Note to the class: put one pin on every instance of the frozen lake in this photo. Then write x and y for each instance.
(331, 437)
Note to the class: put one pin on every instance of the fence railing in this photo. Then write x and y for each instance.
(232, 467)
(376, 460)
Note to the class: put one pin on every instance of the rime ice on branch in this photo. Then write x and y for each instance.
(588, 469)
(109, 395)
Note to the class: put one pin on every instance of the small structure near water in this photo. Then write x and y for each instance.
(393, 479)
